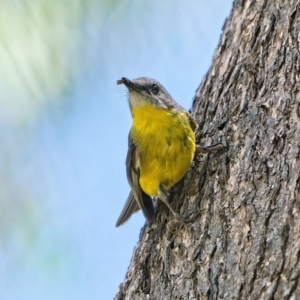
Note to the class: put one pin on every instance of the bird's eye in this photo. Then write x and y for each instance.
(155, 89)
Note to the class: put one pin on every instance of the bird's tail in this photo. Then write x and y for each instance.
(131, 206)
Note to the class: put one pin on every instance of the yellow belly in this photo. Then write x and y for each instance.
(166, 144)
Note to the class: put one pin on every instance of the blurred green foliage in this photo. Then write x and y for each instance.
(42, 50)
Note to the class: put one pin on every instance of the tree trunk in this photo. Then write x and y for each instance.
(246, 243)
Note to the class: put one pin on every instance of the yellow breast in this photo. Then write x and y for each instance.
(166, 143)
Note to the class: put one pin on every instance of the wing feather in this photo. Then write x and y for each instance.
(137, 198)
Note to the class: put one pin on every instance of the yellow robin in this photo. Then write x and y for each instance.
(161, 146)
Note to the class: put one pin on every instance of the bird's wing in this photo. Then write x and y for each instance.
(137, 198)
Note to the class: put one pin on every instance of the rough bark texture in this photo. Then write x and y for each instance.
(246, 244)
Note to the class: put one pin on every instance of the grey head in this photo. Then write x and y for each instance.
(145, 90)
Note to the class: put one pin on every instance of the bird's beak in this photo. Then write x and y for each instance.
(129, 84)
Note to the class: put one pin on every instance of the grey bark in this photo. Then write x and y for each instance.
(246, 243)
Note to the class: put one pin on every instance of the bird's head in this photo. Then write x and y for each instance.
(146, 90)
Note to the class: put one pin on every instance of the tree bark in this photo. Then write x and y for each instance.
(246, 243)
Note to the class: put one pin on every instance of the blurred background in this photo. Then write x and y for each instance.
(63, 131)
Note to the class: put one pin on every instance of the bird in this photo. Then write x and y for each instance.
(161, 147)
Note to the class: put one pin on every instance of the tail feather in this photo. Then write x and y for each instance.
(131, 207)
(148, 207)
